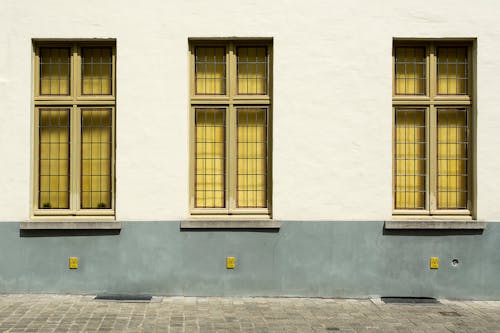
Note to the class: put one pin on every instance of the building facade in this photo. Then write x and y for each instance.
(331, 149)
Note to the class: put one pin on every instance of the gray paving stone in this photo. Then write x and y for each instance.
(62, 313)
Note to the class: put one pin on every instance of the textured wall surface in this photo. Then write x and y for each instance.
(332, 96)
(342, 259)
(332, 132)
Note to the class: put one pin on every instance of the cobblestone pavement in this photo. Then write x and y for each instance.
(55, 313)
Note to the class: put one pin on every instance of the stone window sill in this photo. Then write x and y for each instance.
(230, 224)
(71, 225)
(435, 224)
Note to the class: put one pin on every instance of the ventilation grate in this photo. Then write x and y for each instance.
(409, 300)
(124, 298)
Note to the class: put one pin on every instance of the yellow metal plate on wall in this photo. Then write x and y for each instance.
(434, 262)
(73, 262)
(230, 262)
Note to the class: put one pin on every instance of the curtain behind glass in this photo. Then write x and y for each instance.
(53, 158)
(410, 159)
(210, 145)
(252, 157)
(96, 145)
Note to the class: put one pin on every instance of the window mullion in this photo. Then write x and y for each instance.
(432, 72)
(75, 74)
(231, 130)
(75, 134)
(432, 130)
(231, 133)
(231, 71)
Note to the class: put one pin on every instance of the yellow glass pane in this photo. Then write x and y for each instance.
(210, 86)
(62, 82)
(455, 86)
(251, 157)
(410, 159)
(219, 79)
(63, 184)
(219, 53)
(45, 182)
(252, 70)
(400, 76)
(86, 202)
(96, 151)
(442, 86)
(97, 66)
(261, 54)
(442, 71)
(454, 56)
(251, 198)
(461, 87)
(200, 198)
(399, 200)
(53, 157)
(201, 54)
(201, 73)
(96, 148)
(210, 158)
(210, 70)
(105, 195)
(243, 85)
(200, 86)
(251, 53)
(86, 78)
(410, 71)
(420, 79)
(54, 71)
(452, 158)
(452, 70)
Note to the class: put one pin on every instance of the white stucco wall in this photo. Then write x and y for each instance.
(332, 96)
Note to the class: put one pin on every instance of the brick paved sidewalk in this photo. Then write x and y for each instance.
(54, 313)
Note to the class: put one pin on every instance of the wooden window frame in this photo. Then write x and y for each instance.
(431, 101)
(75, 101)
(230, 101)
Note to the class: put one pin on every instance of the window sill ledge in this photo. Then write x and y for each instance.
(71, 225)
(435, 224)
(230, 224)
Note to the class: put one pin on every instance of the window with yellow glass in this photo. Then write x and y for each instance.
(230, 126)
(433, 106)
(74, 116)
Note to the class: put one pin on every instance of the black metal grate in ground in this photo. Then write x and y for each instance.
(124, 297)
(409, 300)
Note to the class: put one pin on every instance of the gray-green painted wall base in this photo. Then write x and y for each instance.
(326, 259)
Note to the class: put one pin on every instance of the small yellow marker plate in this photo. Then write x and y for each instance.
(230, 262)
(434, 262)
(73, 262)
